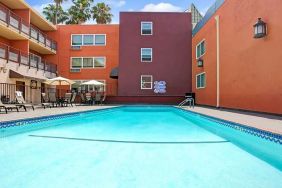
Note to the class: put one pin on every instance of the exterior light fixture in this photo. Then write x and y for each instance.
(259, 29)
(200, 62)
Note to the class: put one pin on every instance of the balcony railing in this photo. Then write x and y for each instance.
(27, 59)
(13, 20)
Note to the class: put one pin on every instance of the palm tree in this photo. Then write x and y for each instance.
(102, 13)
(50, 12)
(58, 4)
(80, 12)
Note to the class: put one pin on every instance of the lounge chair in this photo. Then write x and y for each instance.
(7, 107)
(21, 102)
(82, 98)
(73, 98)
(45, 101)
(88, 98)
(98, 98)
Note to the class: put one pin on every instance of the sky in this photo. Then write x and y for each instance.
(136, 5)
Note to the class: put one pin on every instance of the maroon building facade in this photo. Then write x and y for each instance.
(155, 56)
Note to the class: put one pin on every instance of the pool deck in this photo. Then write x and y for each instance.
(261, 121)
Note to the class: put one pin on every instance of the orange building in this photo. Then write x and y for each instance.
(88, 52)
(239, 71)
(25, 44)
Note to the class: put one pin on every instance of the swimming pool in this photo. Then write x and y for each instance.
(137, 146)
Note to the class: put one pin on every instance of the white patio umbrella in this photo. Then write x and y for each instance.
(59, 81)
(93, 82)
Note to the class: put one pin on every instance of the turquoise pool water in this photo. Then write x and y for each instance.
(128, 147)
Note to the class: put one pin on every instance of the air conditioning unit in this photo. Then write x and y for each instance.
(75, 70)
(76, 47)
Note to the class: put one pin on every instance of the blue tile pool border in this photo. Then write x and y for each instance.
(13, 123)
(273, 137)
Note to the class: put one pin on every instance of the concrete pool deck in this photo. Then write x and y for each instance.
(261, 121)
(271, 123)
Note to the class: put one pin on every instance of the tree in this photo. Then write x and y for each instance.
(80, 11)
(58, 4)
(50, 12)
(102, 13)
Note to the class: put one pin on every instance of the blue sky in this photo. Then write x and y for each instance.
(137, 5)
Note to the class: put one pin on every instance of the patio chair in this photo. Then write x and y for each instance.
(103, 99)
(82, 98)
(7, 107)
(45, 101)
(21, 101)
(67, 99)
(98, 98)
(72, 98)
(88, 98)
(53, 99)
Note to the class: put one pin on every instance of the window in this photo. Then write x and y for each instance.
(201, 80)
(87, 62)
(76, 40)
(76, 62)
(88, 40)
(146, 81)
(200, 49)
(146, 54)
(99, 62)
(146, 28)
(100, 40)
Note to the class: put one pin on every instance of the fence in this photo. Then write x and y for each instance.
(16, 22)
(27, 59)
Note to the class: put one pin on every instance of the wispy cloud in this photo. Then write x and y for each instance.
(116, 3)
(161, 7)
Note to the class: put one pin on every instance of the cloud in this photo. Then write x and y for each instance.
(161, 7)
(116, 3)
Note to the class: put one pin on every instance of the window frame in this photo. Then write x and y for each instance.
(146, 22)
(94, 38)
(77, 35)
(141, 82)
(100, 44)
(204, 40)
(99, 57)
(205, 81)
(93, 57)
(142, 55)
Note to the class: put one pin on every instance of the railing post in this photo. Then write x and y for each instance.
(29, 61)
(44, 66)
(8, 54)
(20, 25)
(20, 57)
(8, 17)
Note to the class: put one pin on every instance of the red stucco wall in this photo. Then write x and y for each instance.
(171, 43)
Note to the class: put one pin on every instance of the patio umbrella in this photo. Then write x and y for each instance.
(59, 81)
(93, 82)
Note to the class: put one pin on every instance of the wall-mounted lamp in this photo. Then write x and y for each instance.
(259, 29)
(200, 62)
(3, 69)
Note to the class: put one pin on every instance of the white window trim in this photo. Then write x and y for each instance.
(144, 22)
(94, 36)
(151, 54)
(141, 85)
(205, 80)
(204, 40)
(100, 44)
(93, 63)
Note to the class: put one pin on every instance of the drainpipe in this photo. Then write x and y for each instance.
(217, 62)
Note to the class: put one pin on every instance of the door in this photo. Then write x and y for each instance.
(20, 86)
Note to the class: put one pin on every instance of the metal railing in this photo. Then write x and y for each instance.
(13, 20)
(27, 59)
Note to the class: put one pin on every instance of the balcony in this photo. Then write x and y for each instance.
(14, 27)
(26, 59)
